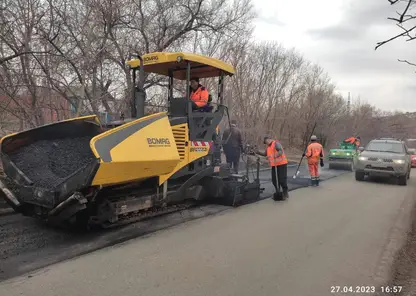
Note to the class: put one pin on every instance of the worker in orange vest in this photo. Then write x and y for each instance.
(354, 140)
(278, 163)
(315, 154)
(199, 94)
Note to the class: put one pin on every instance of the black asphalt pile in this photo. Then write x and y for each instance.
(49, 162)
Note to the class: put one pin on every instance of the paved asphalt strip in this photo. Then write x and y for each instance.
(339, 235)
(27, 244)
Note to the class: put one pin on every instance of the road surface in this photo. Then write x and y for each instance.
(26, 244)
(340, 234)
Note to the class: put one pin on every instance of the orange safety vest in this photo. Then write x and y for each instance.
(352, 140)
(313, 152)
(200, 96)
(273, 155)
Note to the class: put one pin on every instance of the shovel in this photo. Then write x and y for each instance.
(279, 194)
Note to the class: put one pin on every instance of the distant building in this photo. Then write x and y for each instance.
(21, 112)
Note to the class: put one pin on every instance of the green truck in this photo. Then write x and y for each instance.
(342, 157)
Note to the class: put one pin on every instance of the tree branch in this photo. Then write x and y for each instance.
(18, 54)
(405, 33)
(403, 18)
(407, 62)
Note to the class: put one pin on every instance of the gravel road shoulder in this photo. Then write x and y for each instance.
(403, 271)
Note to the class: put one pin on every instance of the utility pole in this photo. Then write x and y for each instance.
(347, 126)
(349, 103)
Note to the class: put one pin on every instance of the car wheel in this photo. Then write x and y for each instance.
(359, 176)
(402, 180)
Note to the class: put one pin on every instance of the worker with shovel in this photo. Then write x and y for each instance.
(278, 163)
(315, 154)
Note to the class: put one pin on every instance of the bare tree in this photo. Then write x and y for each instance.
(76, 50)
(20, 42)
(66, 58)
(405, 19)
(280, 94)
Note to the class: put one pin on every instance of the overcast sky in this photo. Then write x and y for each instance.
(340, 35)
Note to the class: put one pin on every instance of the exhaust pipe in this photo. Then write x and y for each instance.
(9, 197)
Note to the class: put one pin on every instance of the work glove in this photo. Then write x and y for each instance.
(322, 163)
(303, 155)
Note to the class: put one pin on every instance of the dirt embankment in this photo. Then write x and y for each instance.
(404, 266)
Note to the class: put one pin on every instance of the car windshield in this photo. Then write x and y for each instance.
(385, 147)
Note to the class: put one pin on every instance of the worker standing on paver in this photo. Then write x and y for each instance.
(315, 154)
(278, 163)
(354, 140)
(233, 145)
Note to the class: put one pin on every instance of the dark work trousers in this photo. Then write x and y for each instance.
(281, 177)
(232, 156)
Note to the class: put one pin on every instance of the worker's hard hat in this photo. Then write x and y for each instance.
(314, 138)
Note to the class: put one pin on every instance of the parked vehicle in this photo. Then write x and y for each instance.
(413, 160)
(384, 157)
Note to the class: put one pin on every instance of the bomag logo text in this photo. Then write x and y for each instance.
(158, 142)
(198, 149)
(150, 59)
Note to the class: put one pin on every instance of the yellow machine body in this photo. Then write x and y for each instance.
(187, 152)
(137, 150)
(155, 148)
